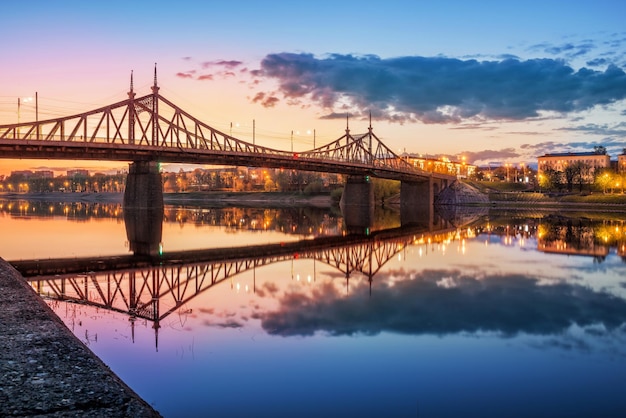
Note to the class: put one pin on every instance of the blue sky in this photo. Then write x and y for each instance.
(490, 80)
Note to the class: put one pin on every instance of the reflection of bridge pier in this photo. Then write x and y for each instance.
(357, 204)
(143, 208)
(417, 200)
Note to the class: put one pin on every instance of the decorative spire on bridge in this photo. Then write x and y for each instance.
(131, 93)
(155, 87)
(370, 129)
(347, 129)
(131, 112)
(155, 109)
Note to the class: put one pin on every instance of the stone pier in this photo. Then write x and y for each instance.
(144, 186)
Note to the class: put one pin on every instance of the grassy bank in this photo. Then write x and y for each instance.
(519, 195)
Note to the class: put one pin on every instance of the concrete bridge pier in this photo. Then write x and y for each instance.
(143, 208)
(417, 201)
(357, 204)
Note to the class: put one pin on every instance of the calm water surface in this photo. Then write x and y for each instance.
(516, 315)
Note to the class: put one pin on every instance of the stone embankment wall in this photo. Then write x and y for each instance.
(459, 193)
(45, 370)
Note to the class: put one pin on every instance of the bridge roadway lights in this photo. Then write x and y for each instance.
(357, 204)
(143, 208)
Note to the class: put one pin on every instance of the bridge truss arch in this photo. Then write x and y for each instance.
(152, 128)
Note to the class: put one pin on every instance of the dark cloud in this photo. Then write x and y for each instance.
(185, 75)
(441, 302)
(440, 89)
(569, 49)
(613, 145)
(542, 148)
(618, 130)
(205, 77)
(229, 64)
(490, 155)
(265, 100)
(598, 62)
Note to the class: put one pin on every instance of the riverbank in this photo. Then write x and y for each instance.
(46, 371)
(465, 194)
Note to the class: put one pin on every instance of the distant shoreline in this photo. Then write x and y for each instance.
(69, 197)
(216, 198)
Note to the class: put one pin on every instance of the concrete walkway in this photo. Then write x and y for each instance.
(45, 371)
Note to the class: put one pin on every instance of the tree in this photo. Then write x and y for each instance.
(570, 173)
(604, 179)
(550, 179)
(282, 180)
(384, 189)
(599, 149)
(582, 172)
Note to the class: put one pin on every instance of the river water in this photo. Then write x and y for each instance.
(490, 314)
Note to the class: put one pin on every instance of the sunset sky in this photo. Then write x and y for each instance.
(494, 81)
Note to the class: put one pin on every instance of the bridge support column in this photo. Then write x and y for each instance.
(143, 208)
(417, 203)
(357, 204)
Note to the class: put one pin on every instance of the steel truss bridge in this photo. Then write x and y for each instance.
(152, 128)
(154, 288)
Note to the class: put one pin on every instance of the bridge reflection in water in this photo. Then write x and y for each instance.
(152, 288)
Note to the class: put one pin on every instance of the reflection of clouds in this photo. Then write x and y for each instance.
(587, 339)
(229, 324)
(223, 318)
(268, 287)
(505, 304)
